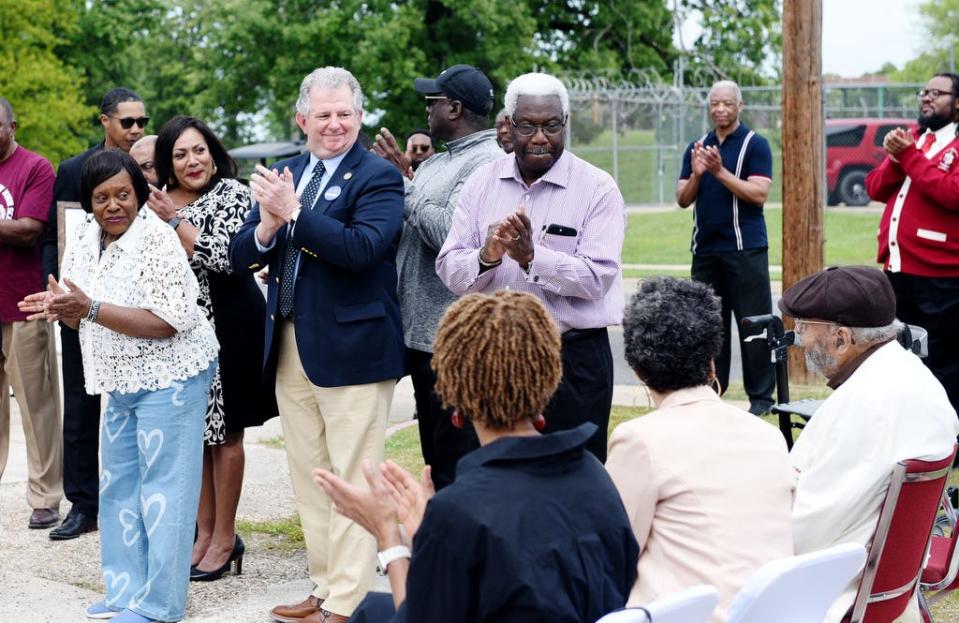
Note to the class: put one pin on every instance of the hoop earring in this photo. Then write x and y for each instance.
(457, 420)
(716, 385)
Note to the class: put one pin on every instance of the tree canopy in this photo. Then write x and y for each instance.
(238, 63)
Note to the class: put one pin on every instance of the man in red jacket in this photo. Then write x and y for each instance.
(919, 231)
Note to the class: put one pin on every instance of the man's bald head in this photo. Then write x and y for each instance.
(143, 152)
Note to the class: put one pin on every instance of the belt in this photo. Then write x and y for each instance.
(580, 334)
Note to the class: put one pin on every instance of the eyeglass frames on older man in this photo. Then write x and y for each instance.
(529, 129)
(127, 122)
(801, 324)
(432, 99)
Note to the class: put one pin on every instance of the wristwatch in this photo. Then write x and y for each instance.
(390, 554)
(175, 222)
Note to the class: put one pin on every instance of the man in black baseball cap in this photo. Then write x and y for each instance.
(458, 104)
(886, 407)
(463, 83)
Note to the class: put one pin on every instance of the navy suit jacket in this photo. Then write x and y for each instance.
(345, 308)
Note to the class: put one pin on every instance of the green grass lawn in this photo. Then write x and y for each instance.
(657, 237)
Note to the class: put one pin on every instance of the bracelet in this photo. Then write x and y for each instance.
(175, 222)
(486, 264)
(94, 312)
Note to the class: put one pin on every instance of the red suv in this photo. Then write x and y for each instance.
(853, 148)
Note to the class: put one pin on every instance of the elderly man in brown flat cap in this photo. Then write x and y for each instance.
(886, 407)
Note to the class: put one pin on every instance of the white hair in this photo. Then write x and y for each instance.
(328, 78)
(535, 84)
(726, 84)
(874, 335)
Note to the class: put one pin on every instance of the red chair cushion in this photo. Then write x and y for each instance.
(938, 563)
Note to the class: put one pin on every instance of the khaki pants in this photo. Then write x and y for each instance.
(29, 364)
(335, 428)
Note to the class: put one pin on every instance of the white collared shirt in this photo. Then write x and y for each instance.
(943, 136)
(145, 268)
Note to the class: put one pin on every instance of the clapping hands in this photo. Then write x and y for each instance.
(394, 495)
(897, 140)
(56, 303)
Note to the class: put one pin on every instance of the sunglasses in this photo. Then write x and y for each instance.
(420, 149)
(127, 122)
(432, 99)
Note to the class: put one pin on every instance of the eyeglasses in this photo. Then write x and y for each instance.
(127, 122)
(420, 149)
(801, 323)
(931, 93)
(432, 99)
(529, 129)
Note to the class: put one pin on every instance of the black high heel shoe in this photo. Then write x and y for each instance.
(198, 575)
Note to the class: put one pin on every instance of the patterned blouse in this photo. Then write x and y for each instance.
(218, 214)
(146, 268)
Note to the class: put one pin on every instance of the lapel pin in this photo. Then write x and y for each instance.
(332, 192)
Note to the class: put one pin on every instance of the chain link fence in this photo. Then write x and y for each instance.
(637, 130)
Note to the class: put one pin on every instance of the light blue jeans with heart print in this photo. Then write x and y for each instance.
(151, 448)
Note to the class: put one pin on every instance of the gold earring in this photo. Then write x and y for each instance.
(716, 385)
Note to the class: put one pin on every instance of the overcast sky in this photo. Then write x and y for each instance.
(859, 36)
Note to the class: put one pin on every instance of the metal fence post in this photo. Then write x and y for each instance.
(614, 105)
(659, 152)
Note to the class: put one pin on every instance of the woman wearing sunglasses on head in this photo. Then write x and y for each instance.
(205, 205)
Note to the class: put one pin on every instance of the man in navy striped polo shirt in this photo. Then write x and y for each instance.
(727, 174)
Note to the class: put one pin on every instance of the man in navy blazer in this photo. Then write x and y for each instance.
(327, 223)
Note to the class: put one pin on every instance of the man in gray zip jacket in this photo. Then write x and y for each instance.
(458, 104)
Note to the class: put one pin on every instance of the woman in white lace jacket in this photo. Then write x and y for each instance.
(128, 288)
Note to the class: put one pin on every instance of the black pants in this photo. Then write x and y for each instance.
(442, 443)
(586, 392)
(933, 304)
(81, 430)
(741, 280)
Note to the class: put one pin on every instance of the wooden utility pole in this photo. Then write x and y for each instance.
(802, 151)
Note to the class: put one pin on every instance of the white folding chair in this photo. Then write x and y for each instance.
(693, 605)
(797, 589)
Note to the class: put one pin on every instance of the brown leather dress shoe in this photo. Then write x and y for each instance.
(44, 518)
(325, 616)
(295, 613)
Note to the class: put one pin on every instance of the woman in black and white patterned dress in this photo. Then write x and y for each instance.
(206, 205)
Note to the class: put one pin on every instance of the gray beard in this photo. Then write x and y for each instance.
(819, 361)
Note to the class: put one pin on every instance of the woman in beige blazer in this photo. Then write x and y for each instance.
(707, 486)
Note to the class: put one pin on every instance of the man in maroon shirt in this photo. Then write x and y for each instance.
(28, 359)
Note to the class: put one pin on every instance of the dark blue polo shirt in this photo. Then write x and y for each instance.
(531, 530)
(721, 221)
